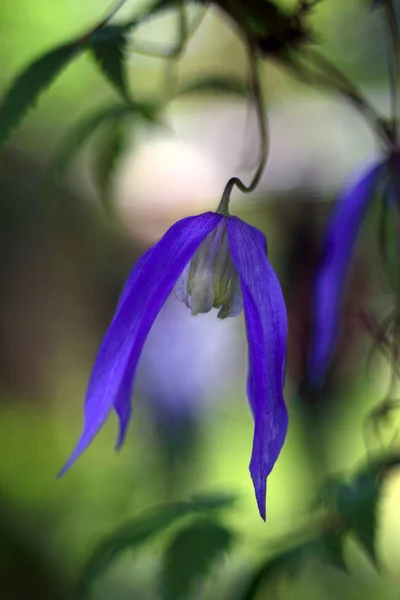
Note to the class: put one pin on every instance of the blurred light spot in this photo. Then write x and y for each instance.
(165, 181)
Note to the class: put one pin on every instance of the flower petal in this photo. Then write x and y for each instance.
(266, 325)
(147, 288)
(340, 238)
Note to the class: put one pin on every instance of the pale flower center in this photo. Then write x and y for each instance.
(210, 279)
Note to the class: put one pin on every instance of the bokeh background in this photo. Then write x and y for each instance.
(63, 262)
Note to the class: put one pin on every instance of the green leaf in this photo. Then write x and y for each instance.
(383, 466)
(87, 126)
(288, 560)
(140, 530)
(107, 47)
(216, 501)
(131, 535)
(327, 495)
(191, 555)
(26, 88)
(215, 84)
(108, 151)
(329, 548)
(81, 132)
(357, 504)
(326, 548)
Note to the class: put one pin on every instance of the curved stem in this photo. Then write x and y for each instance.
(393, 27)
(264, 146)
(113, 11)
(186, 32)
(352, 93)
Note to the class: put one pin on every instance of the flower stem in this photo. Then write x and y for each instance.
(113, 11)
(346, 87)
(393, 28)
(264, 146)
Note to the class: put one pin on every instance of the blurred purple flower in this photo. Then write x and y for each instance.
(219, 261)
(201, 362)
(201, 368)
(338, 245)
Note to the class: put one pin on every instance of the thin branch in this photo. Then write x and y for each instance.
(264, 142)
(393, 28)
(186, 32)
(111, 14)
(352, 93)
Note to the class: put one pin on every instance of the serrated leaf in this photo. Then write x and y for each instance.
(137, 532)
(107, 47)
(191, 555)
(26, 88)
(215, 84)
(287, 561)
(129, 536)
(326, 548)
(357, 505)
(330, 549)
(82, 131)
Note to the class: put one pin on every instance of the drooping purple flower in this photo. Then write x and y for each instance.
(338, 245)
(212, 260)
(202, 361)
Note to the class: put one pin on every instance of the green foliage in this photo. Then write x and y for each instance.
(81, 132)
(108, 151)
(140, 530)
(348, 508)
(357, 504)
(87, 126)
(354, 504)
(107, 47)
(191, 555)
(326, 548)
(26, 88)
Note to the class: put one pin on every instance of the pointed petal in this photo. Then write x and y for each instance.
(147, 289)
(340, 238)
(181, 286)
(266, 325)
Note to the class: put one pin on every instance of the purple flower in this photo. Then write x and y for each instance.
(212, 260)
(202, 362)
(339, 241)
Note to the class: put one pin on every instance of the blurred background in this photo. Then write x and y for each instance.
(63, 262)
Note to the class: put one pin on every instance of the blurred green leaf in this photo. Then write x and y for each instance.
(327, 495)
(288, 560)
(108, 151)
(326, 548)
(81, 132)
(138, 531)
(215, 84)
(383, 465)
(130, 535)
(357, 504)
(353, 506)
(331, 548)
(26, 88)
(107, 47)
(191, 555)
(216, 501)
